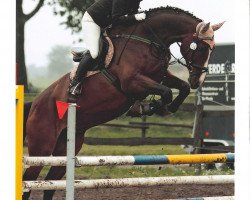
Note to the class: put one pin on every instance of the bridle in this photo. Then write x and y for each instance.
(193, 47)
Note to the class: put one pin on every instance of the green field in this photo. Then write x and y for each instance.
(154, 131)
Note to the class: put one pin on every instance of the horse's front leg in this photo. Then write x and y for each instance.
(172, 81)
(145, 86)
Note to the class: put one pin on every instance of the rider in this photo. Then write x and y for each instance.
(98, 16)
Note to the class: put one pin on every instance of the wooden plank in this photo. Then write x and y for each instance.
(162, 124)
(125, 126)
(197, 127)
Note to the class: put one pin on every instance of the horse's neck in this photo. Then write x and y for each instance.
(166, 27)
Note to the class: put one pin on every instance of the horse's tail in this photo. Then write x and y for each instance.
(27, 107)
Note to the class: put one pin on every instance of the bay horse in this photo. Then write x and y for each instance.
(141, 71)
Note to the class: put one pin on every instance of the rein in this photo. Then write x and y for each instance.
(159, 44)
(146, 41)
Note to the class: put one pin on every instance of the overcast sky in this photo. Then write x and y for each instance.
(43, 31)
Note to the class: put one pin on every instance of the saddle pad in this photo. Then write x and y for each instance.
(108, 60)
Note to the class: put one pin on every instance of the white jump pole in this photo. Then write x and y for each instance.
(70, 166)
(129, 182)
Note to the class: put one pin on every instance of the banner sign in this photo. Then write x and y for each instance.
(219, 86)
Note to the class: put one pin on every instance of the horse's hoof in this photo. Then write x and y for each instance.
(172, 109)
(135, 110)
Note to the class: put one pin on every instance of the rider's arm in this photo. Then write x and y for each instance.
(123, 12)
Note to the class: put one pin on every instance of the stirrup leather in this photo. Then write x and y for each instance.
(76, 90)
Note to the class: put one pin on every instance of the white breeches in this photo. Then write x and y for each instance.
(91, 35)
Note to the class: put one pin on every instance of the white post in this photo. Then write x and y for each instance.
(70, 167)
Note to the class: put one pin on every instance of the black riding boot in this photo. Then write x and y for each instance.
(85, 64)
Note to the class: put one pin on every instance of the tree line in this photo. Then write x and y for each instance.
(71, 12)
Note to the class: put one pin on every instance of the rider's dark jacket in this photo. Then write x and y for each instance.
(106, 12)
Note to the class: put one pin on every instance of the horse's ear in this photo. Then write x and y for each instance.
(205, 28)
(215, 27)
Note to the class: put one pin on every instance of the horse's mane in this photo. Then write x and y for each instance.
(175, 10)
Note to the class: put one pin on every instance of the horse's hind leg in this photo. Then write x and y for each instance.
(57, 172)
(30, 174)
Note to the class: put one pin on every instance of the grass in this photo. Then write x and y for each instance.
(104, 172)
(101, 150)
(138, 171)
(153, 131)
(91, 150)
(146, 171)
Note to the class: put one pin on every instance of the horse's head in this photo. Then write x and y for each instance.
(196, 50)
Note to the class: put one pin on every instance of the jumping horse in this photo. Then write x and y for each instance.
(139, 63)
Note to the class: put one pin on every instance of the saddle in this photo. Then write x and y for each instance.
(104, 59)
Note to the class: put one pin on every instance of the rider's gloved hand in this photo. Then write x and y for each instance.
(140, 16)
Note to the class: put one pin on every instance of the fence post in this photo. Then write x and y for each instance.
(143, 129)
(198, 142)
(70, 167)
(19, 139)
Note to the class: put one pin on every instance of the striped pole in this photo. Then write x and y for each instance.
(132, 160)
(128, 182)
